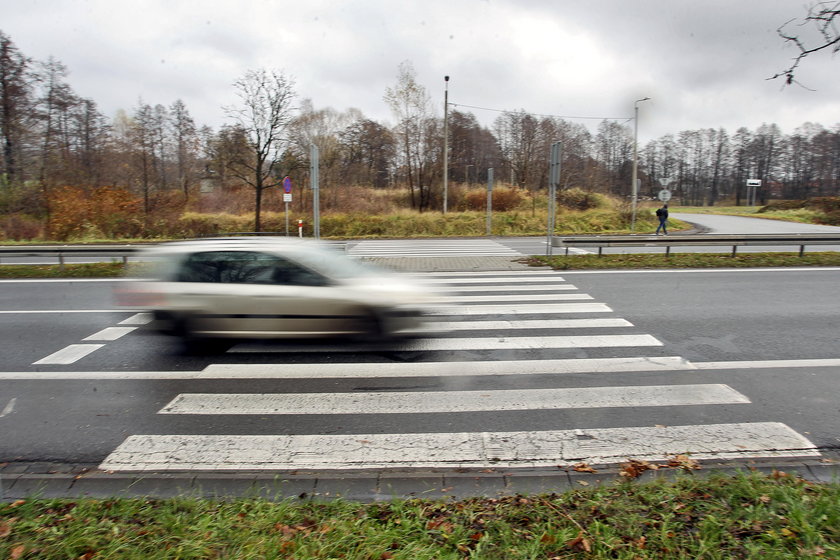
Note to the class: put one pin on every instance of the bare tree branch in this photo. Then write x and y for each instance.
(822, 15)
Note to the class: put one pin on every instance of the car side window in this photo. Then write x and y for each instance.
(245, 267)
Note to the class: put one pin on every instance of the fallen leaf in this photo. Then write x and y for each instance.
(634, 468)
(17, 552)
(580, 543)
(5, 529)
(583, 467)
(683, 462)
(17, 503)
(583, 483)
(764, 499)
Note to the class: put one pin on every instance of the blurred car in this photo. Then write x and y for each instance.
(271, 287)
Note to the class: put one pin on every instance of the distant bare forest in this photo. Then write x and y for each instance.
(156, 161)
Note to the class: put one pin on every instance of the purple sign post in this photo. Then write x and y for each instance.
(287, 198)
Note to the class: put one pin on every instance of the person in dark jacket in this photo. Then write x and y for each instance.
(662, 214)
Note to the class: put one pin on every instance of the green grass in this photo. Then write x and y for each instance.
(684, 260)
(717, 517)
(82, 270)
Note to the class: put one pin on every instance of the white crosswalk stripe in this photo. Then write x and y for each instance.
(501, 304)
(426, 402)
(431, 248)
(456, 450)
(455, 344)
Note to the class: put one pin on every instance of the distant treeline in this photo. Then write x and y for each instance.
(53, 139)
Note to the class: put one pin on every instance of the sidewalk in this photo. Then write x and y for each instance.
(451, 264)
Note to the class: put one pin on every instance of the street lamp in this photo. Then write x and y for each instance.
(635, 184)
(445, 142)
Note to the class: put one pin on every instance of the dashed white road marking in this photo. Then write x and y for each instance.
(110, 333)
(143, 318)
(456, 450)
(9, 408)
(69, 355)
(421, 402)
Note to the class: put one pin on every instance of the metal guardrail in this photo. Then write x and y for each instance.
(711, 239)
(60, 252)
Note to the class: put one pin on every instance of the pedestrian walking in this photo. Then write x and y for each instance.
(662, 214)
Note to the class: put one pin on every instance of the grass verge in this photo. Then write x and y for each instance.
(684, 260)
(78, 270)
(559, 262)
(747, 515)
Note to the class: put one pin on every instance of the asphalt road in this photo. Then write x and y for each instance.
(729, 349)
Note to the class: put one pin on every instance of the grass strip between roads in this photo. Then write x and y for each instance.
(559, 262)
(685, 260)
(720, 516)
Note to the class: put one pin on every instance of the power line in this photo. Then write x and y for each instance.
(628, 119)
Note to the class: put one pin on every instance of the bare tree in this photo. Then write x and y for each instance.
(820, 19)
(410, 104)
(15, 99)
(264, 114)
(186, 144)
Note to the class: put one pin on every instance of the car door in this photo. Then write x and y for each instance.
(260, 294)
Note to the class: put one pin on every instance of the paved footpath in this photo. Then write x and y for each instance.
(50, 480)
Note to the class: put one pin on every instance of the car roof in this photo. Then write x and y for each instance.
(243, 242)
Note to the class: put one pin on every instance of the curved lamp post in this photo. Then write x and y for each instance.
(635, 184)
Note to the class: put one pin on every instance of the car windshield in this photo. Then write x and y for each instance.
(334, 264)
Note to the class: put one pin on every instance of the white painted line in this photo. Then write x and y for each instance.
(9, 408)
(707, 270)
(69, 355)
(65, 280)
(138, 319)
(515, 297)
(423, 369)
(374, 370)
(493, 289)
(531, 324)
(456, 344)
(110, 333)
(511, 309)
(561, 448)
(38, 311)
(424, 402)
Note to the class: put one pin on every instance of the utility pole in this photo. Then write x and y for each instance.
(445, 142)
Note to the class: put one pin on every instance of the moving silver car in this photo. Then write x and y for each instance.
(271, 287)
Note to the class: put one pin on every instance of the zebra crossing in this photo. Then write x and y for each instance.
(431, 248)
(531, 335)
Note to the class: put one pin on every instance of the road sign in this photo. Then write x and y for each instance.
(664, 195)
(287, 197)
(753, 182)
(287, 185)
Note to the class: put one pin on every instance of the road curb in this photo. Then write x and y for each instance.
(76, 482)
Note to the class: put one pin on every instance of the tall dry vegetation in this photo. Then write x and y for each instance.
(111, 213)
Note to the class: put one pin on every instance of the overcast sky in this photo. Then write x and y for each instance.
(703, 63)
